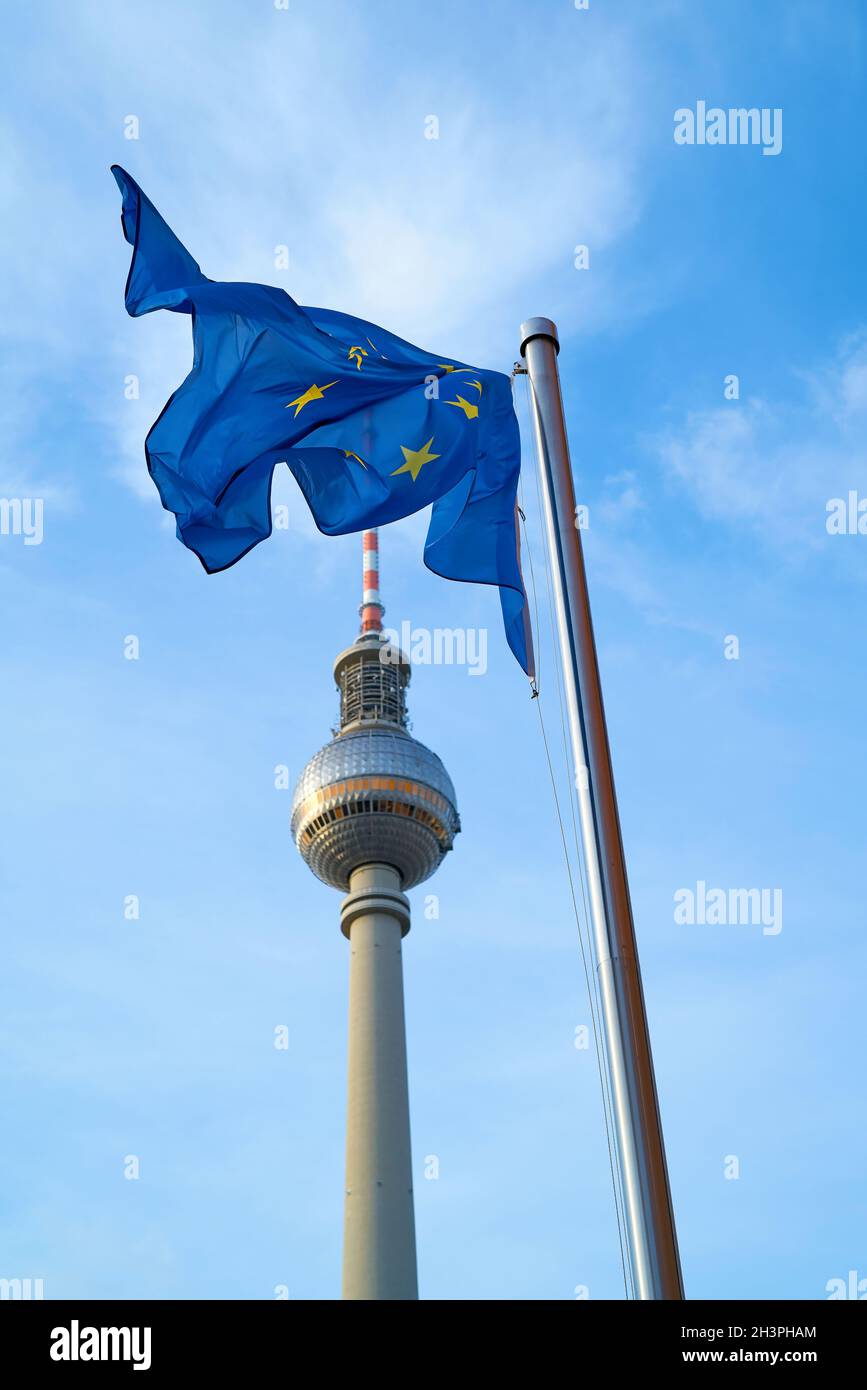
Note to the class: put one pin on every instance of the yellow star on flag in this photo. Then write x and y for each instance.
(477, 384)
(313, 393)
(415, 459)
(470, 410)
(350, 455)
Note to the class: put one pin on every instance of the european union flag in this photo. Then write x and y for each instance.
(372, 428)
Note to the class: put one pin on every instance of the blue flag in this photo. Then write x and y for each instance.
(372, 428)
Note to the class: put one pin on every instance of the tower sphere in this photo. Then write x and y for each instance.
(374, 794)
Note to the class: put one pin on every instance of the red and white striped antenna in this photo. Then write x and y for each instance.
(371, 609)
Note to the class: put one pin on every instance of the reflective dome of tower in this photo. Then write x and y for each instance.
(374, 794)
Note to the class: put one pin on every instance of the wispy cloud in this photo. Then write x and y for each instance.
(294, 146)
(771, 466)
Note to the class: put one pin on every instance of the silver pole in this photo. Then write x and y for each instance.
(647, 1197)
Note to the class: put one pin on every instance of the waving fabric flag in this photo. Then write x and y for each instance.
(372, 428)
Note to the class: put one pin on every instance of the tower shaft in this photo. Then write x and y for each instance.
(379, 1256)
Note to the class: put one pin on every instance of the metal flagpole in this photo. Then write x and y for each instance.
(647, 1197)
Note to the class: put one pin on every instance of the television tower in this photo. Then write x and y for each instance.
(374, 813)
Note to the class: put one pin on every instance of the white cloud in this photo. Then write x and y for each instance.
(313, 137)
(623, 498)
(772, 467)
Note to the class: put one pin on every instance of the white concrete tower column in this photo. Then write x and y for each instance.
(379, 1257)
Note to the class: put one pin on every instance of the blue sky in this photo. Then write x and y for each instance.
(304, 128)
